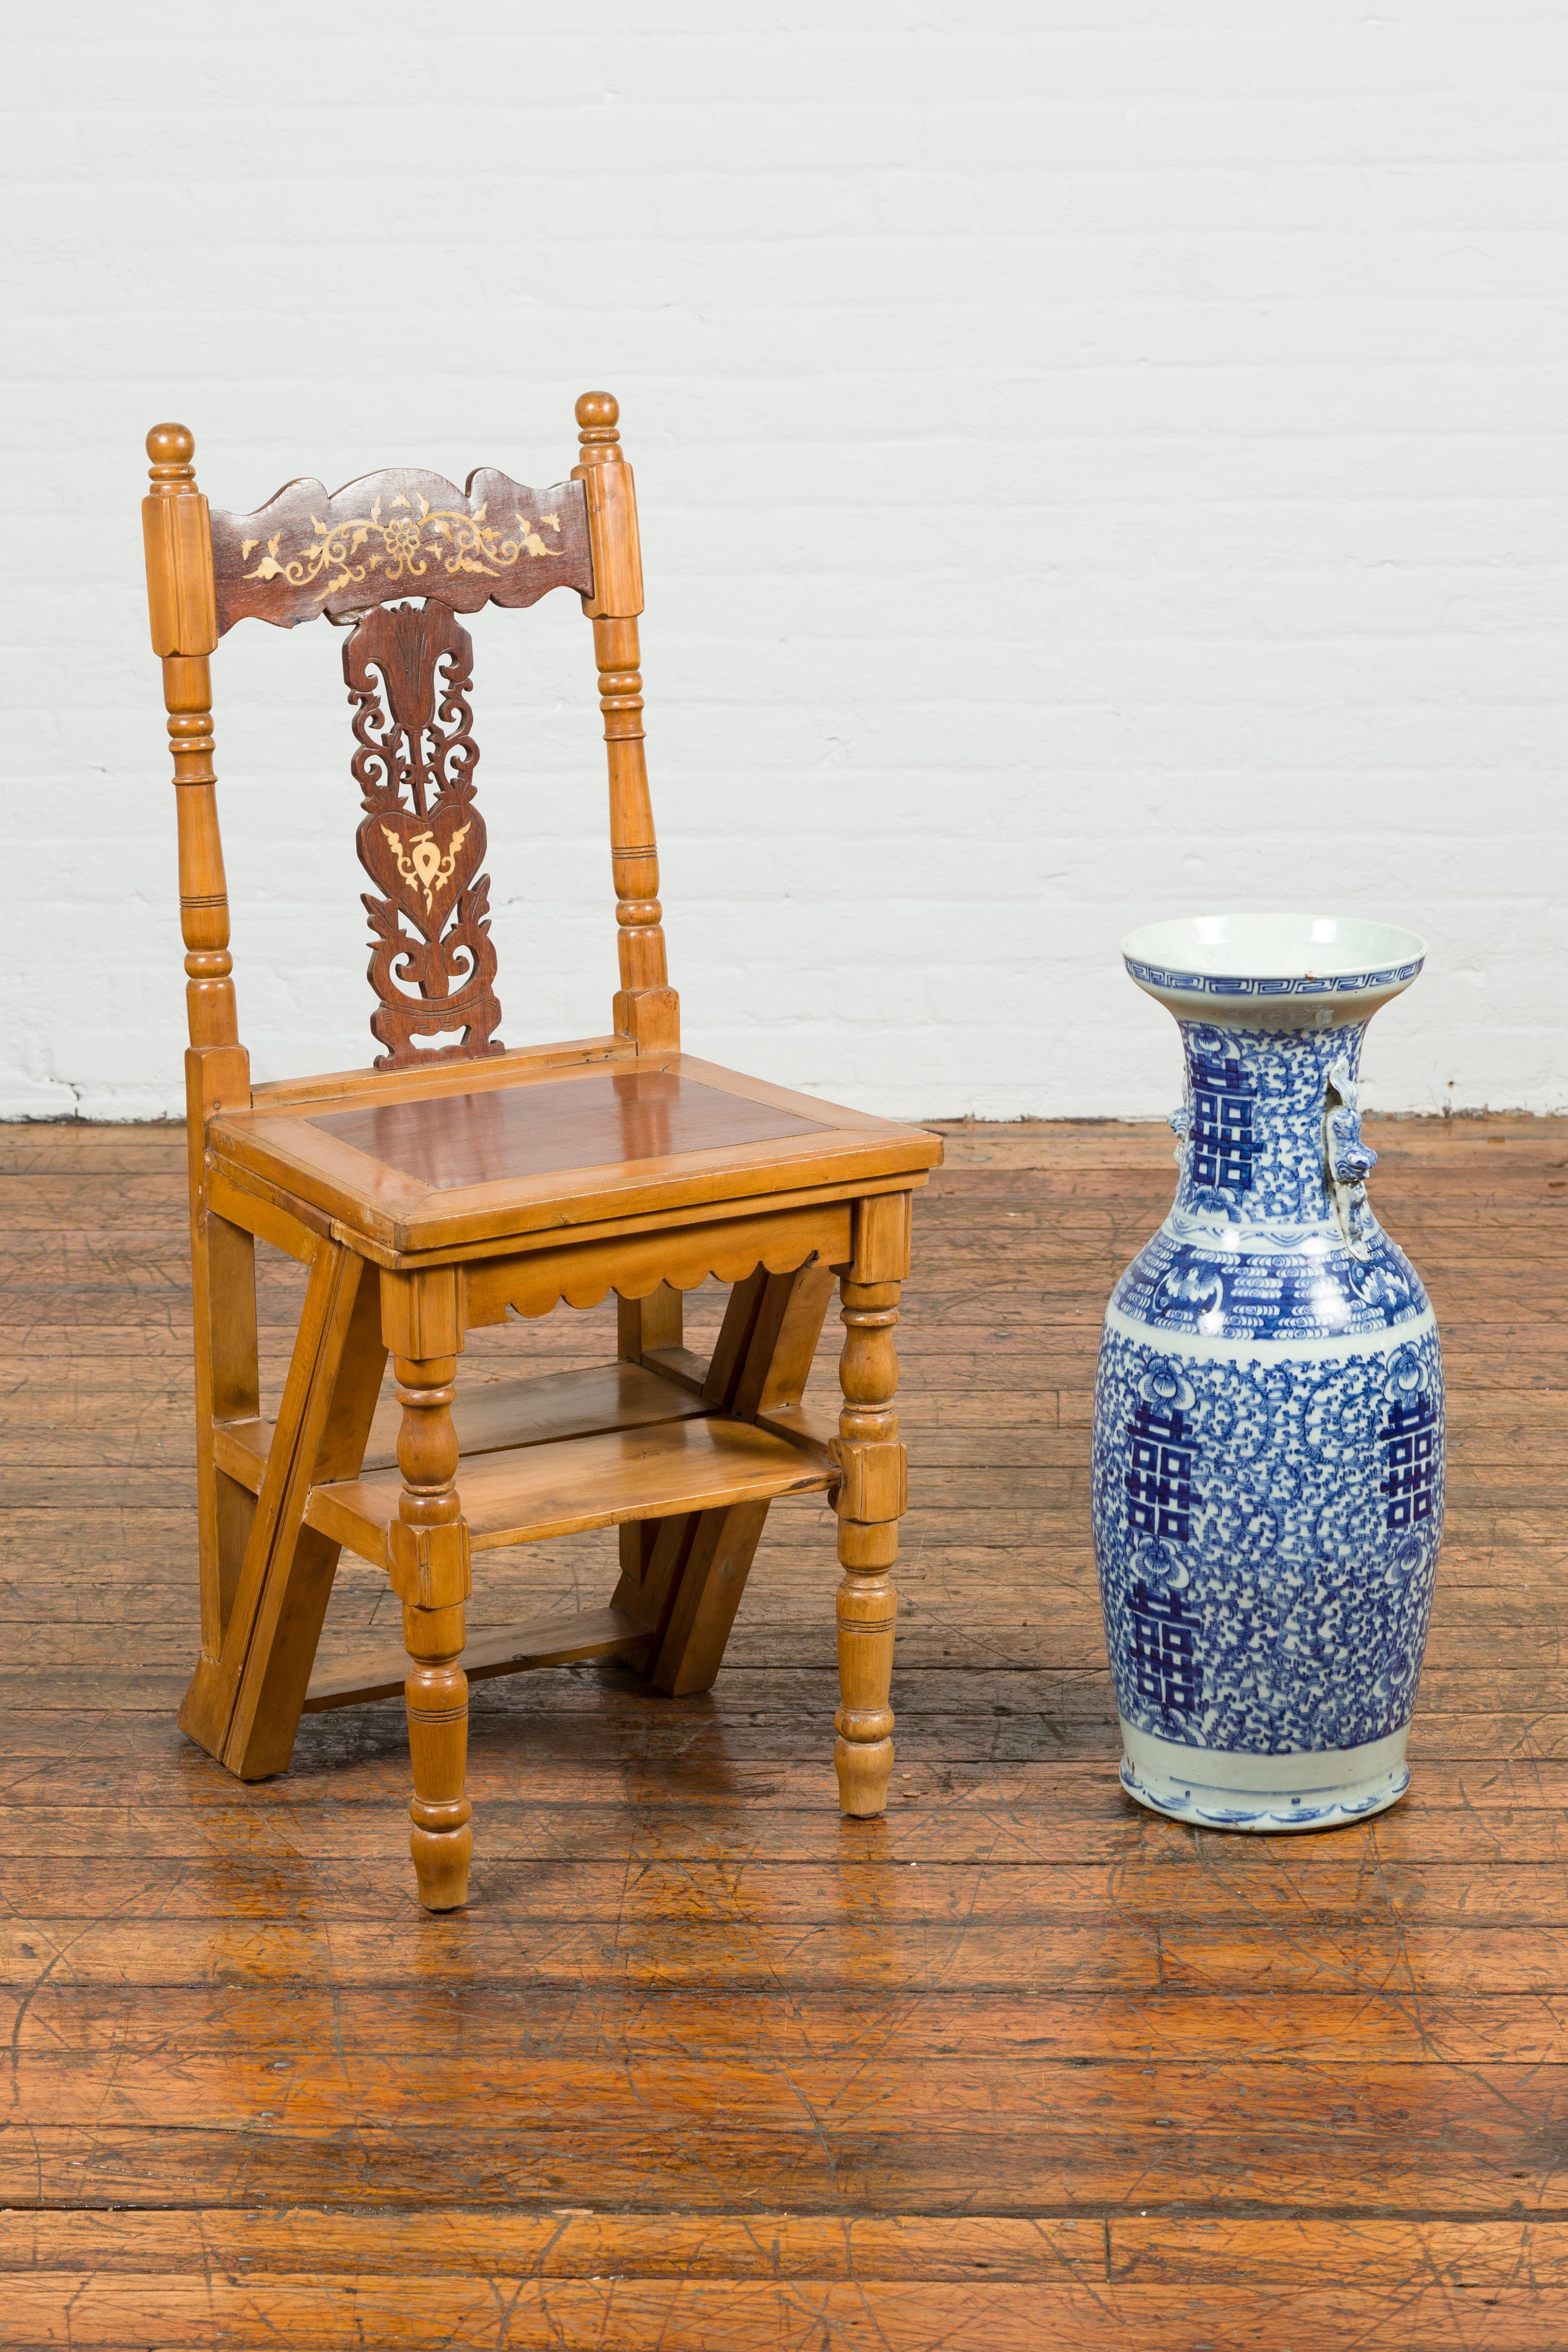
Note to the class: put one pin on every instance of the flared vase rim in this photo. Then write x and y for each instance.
(1288, 953)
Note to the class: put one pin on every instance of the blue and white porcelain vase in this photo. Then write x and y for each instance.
(1268, 1411)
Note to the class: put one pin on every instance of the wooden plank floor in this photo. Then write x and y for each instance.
(705, 2066)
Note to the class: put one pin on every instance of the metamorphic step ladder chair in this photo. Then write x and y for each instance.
(461, 1182)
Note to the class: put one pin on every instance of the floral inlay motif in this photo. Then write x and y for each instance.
(424, 866)
(405, 546)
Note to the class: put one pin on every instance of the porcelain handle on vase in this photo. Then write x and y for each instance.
(1347, 1160)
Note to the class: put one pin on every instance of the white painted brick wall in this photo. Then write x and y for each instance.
(1097, 460)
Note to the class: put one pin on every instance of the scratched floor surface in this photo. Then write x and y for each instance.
(704, 2065)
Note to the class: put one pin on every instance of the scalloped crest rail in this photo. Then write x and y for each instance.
(461, 1184)
(399, 534)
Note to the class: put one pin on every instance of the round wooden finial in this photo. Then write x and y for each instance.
(171, 445)
(598, 412)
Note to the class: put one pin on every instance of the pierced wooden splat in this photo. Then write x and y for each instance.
(400, 532)
(423, 838)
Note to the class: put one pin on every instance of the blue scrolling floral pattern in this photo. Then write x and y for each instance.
(1268, 1469)
(1270, 1236)
(1267, 1535)
(1317, 1290)
(1253, 1120)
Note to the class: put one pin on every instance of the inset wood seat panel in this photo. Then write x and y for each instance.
(528, 1492)
(604, 1120)
(539, 1409)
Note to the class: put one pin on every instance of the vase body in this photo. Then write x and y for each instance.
(1268, 1479)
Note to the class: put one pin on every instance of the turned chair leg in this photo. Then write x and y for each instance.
(870, 1502)
(428, 1550)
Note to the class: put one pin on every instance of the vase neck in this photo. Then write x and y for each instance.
(1252, 1125)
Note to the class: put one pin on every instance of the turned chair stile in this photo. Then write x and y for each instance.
(457, 1185)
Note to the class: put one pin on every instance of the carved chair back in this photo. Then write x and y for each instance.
(396, 558)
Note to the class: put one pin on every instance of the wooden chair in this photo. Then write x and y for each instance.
(462, 1181)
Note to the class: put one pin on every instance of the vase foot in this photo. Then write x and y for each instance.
(1219, 1790)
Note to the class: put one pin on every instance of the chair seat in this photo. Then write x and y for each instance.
(461, 1184)
(492, 1151)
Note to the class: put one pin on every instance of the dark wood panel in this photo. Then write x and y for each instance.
(408, 668)
(399, 534)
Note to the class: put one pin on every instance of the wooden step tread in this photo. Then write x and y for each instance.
(532, 1491)
(495, 1650)
(533, 1410)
